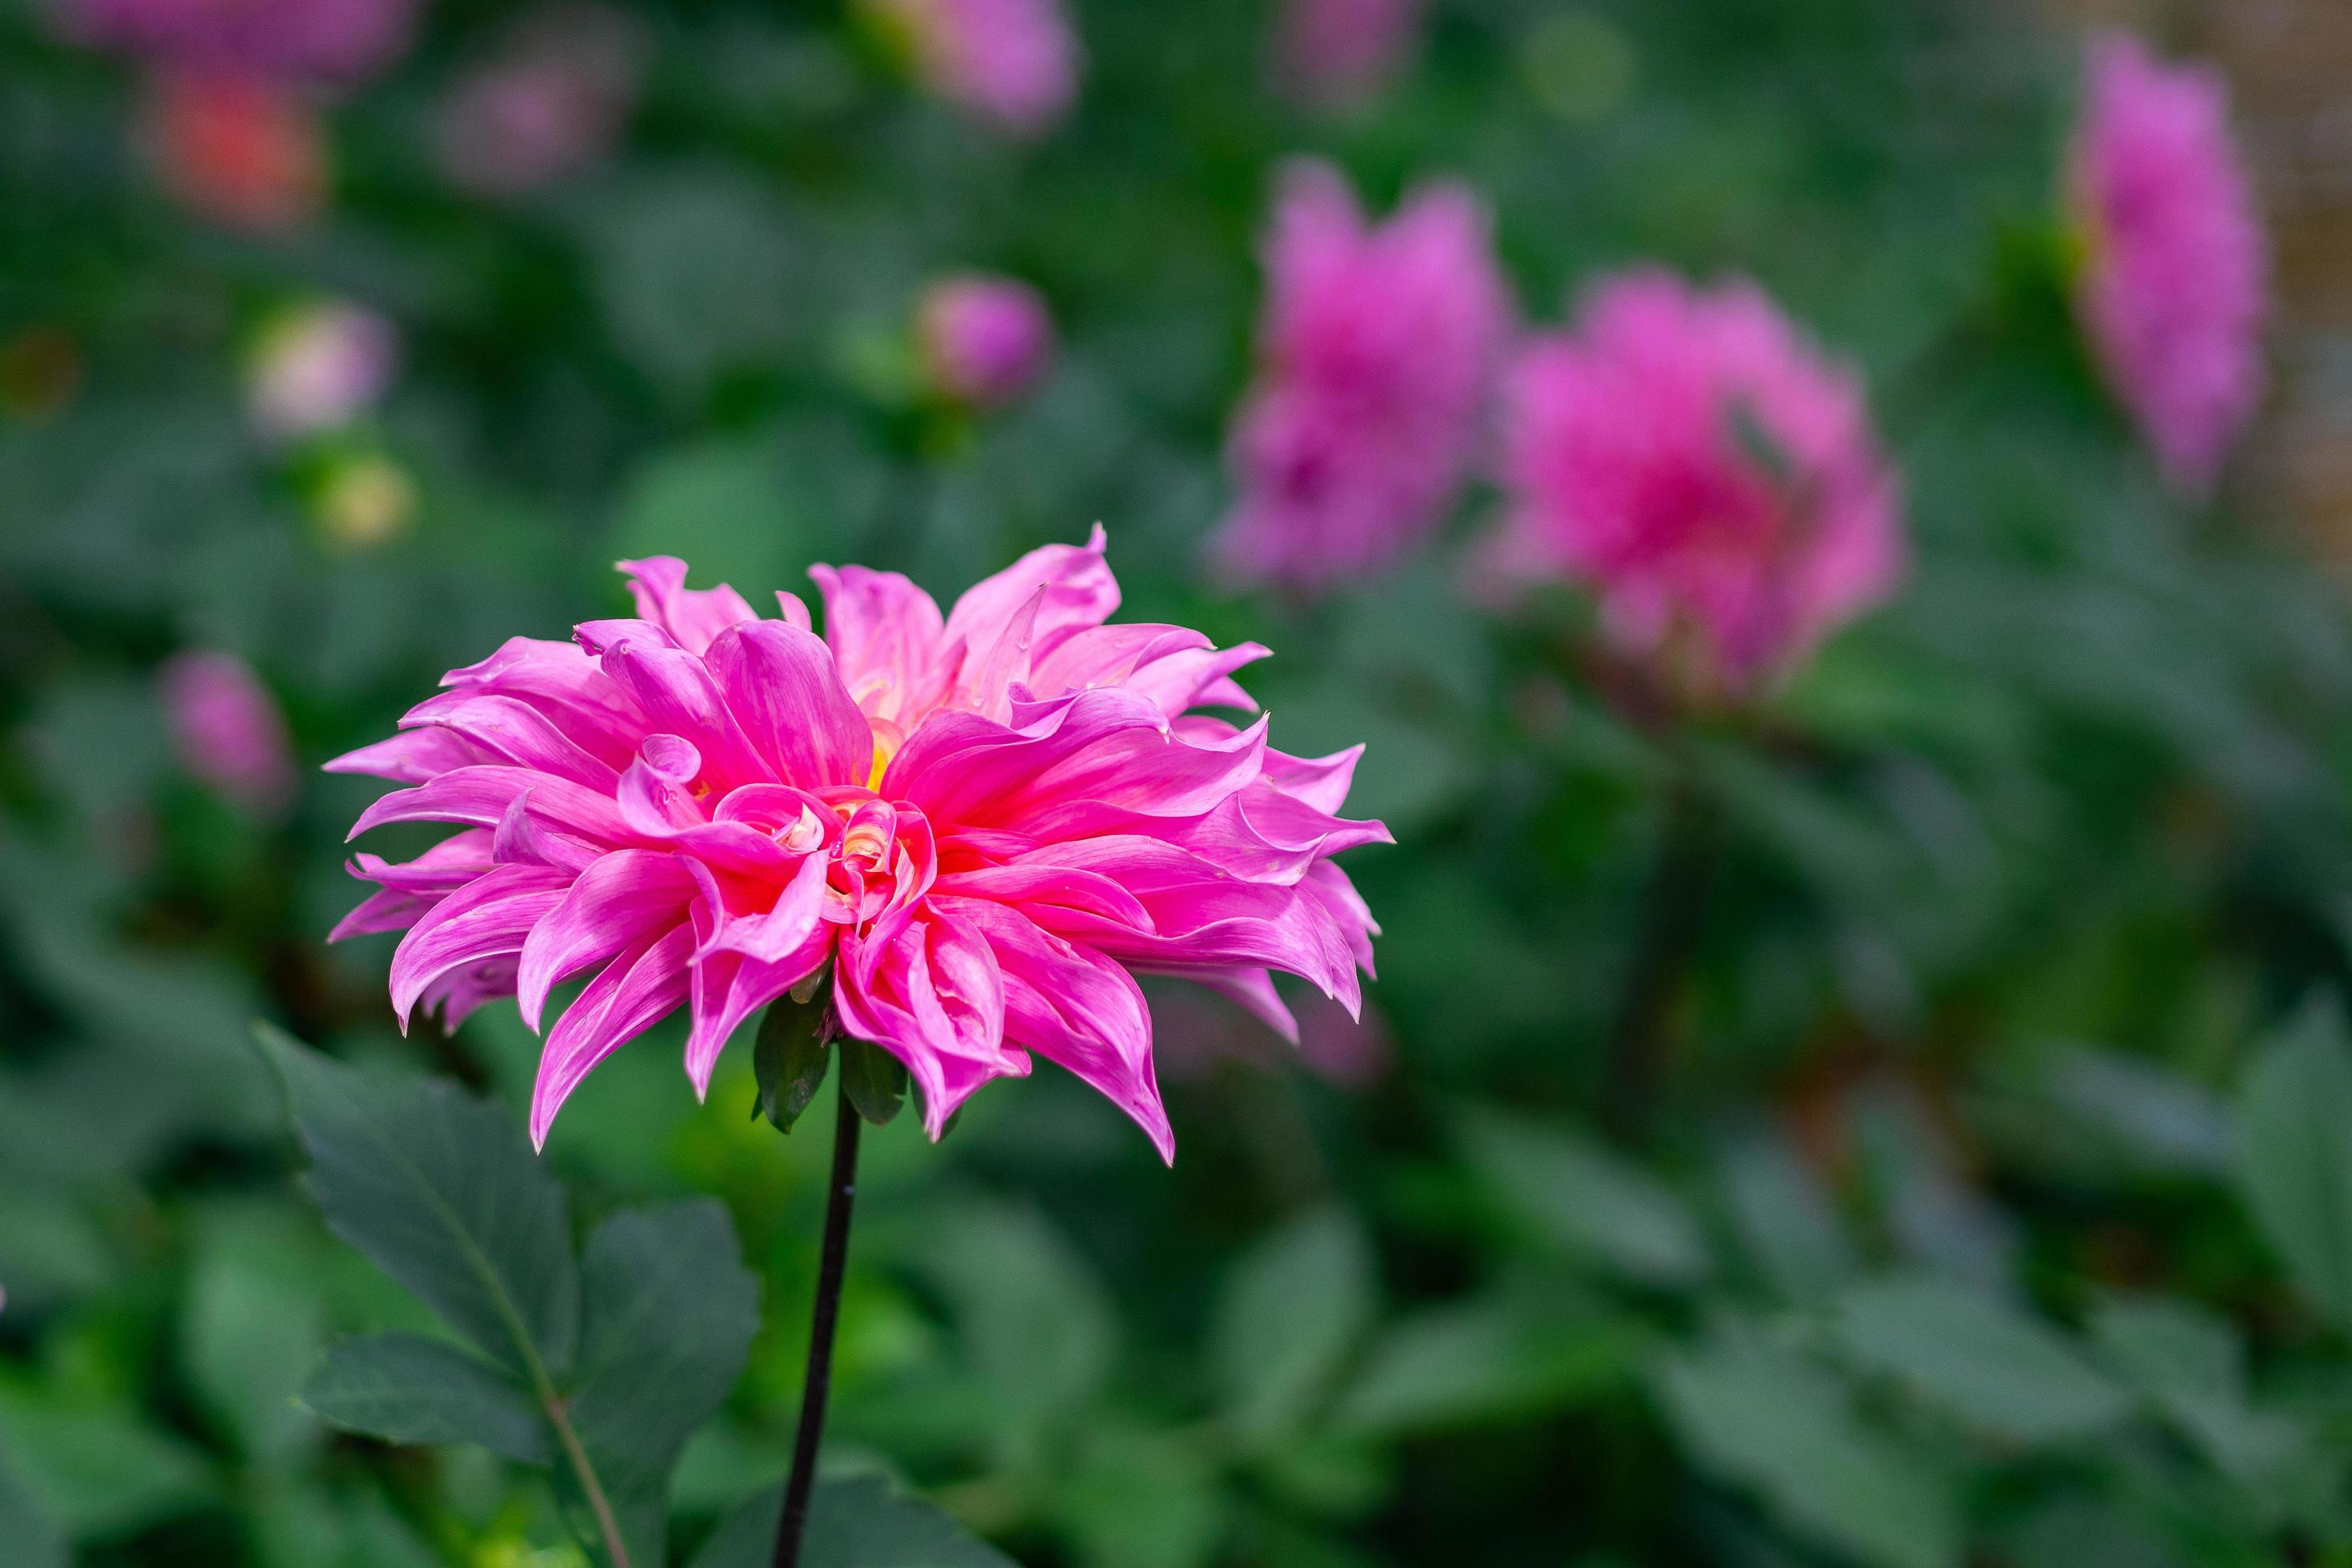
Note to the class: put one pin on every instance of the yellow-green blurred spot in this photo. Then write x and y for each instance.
(1578, 66)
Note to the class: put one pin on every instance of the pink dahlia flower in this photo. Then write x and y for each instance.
(1377, 356)
(310, 41)
(1012, 62)
(1688, 455)
(984, 820)
(1337, 52)
(228, 729)
(2172, 287)
(982, 341)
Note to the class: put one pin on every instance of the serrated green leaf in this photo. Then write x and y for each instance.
(858, 1522)
(1291, 1308)
(874, 1081)
(441, 1193)
(1034, 1320)
(2294, 1161)
(790, 1059)
(1494, 1359)
(1783, 1429)
(406, 1389)
(100, 1471)
(1585, 1199)
(249, 1336)
(670, 1313)
(2190, 1364)
(1989, 1365)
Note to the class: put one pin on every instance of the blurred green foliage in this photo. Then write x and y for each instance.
(1986, 1197)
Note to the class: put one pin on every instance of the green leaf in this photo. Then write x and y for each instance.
(1490, 1359)
(441, 1193)
(406, 1389)
(1785, 1219)
(1585, 1199)
(671, 1311)
(2294, 1160)
(874, 1081)
(1033, 1322)
(2190, 1364)
(26, 1536)
(1786, 1431)
(1134, 1498)
(247, 1335)
(857, 1522)
(1291, 1309)
(790, 1059)
(100, 1471)
(1990, 1365)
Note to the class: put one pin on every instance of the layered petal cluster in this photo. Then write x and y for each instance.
(986, 821)
(1376, 353)
(1013, 63)
(1687, 456)
(982, 339)
(2172, 290)
(320, 42)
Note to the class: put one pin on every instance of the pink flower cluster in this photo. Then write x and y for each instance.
(2172, 290)
(1716, 483)
(1339, 52)
(1011, 62)
(229, 730)
(1376, 353)
(552, 100)
(982, 820)
(982, 341)
(291, 41)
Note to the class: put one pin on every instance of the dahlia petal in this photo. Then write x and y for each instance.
(412, 756)
(657, 796)
(692, 615)
(1252, 989)
(629, 995)
(780, 683)
(488, 918)
(1077, 1007)
(1079, 593)
(950, 1039)
(743, 965)
(479, 795)
(1043, 881)
(523, 840)
(885, 633)
(388, 908)
(462, 991)
(562, 681)
(680, 698)
(616, 902)
(511, 730)
(1321, 782)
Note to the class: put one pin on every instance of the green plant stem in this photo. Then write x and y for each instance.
(1673, 911)
(825, 1315)
(576, 1455)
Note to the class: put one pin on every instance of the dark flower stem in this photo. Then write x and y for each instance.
(1672, 911)
(822, 1321)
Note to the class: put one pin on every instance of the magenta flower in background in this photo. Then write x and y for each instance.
(982, 341)
(555, 99)
(1376, 353)
(320, 367)
(319, 42)
(1011, 62)
(1689, 458)
(1339, 52)
(984, 820)
(227, 728)
(2172, 286)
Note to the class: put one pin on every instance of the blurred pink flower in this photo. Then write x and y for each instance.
(1377, 354)
(319, 367)
(245, 152)
(982, 341)
(321, 42)
(2172, 289)
(1692, 459)
(228, 729)
(1337, 52)
(985, 820)
(552, 100)
(1012, 62)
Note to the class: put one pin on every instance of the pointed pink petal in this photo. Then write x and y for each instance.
(618, 901)
(781, 685)
(639, 988)
(1079, 593)
(488, 918)
(512, 730)
(692, 615)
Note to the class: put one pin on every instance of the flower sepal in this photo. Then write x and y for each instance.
(790, 1057)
